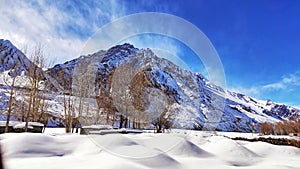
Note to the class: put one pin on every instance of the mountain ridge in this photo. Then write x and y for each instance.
(197, 102)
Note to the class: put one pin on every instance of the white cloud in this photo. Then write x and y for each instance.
(26, 27)
(293, 79)
(27, 24)
(62, 27)
(287, 83)
(274, 86)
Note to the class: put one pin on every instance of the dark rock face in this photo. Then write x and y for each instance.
(281, 111)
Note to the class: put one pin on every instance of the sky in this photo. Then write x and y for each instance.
(257, 41)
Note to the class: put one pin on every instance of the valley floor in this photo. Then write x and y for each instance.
(179, 149)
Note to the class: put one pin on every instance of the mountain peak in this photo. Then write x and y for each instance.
(124, 46)
(5, 42)
(12, 58)
(119, 52)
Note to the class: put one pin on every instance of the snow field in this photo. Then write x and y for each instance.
(171, 150)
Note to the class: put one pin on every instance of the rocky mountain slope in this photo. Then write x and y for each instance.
(139, 81)
(197, 102)
(12, 59)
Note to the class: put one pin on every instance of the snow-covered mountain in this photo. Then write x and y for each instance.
(195, 102)
(12, 58)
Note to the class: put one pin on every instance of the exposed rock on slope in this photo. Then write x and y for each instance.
(12, 58)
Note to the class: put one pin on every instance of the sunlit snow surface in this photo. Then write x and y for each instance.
(179, 149)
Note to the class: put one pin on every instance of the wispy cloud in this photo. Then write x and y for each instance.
(289, 83)
(286, 82)
(61, 26)
(274, 86)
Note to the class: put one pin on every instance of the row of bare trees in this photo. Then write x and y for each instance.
(133, 100)
(37, 105)
(123, 98)
(120, 97)
(27, 97)
(280, 128)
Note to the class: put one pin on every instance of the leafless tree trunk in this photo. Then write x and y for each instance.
(80, 106)
(68, 111)
(10, 102)
(160, 114)
(68, 104)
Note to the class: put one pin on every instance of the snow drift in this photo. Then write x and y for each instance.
(147, 150)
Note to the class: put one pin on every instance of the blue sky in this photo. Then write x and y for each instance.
(257, 41)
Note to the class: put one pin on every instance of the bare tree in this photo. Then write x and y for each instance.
(36, 104)
(281, 127)
(265, 128)
(159, 110)
(121, 92)
(36, 94)
(83, 89)
(11, 99)
(69, 112)
(79, 96)
(68, 104)
(139, 90)
(105, 100)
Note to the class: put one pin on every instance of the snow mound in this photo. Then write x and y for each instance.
(33, 145)
(175, 144)
(231, 151)
(126, 147)
(269, 150)
(232, 148)
(187, 148)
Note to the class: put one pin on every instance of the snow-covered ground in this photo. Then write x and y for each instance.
(180, 149)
